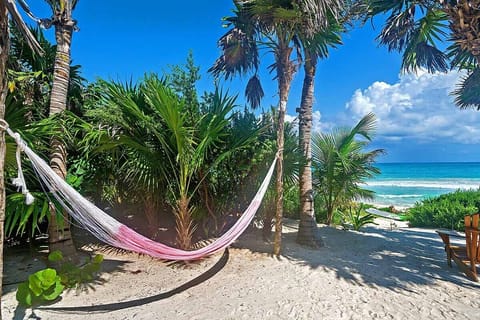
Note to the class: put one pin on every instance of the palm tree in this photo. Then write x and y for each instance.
(64, 26)
(419, 29)
(314, 48)
(272, 25)
(6, 7)
(341, 165)
(166, 154)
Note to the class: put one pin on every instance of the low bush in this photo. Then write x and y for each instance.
(46, 285)
(445, 211)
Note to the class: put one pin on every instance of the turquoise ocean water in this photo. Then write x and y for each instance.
(403, 184)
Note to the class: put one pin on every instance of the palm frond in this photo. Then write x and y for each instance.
(467, 93)
(239, 54)
(17, 18)
(254, 91)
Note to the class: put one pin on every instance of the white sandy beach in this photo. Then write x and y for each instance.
(375, 274)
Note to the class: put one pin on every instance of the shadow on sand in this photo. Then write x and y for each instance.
(398, 259)
(218, 266)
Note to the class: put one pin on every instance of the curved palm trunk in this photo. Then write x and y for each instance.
(285, 70)
(60, 239)
(4, 46)
(307, 226)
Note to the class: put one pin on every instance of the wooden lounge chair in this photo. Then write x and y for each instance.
(466, 257)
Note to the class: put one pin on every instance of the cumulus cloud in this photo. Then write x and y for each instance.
(417, 107)
(317, 124)
(290, 118)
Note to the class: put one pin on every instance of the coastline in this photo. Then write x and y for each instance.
(380, 205)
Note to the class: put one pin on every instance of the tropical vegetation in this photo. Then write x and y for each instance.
(437, 36)
(341, 164)
(158, 153)
(47, 285)
(445, 211)
(356, 217)
(281, 28)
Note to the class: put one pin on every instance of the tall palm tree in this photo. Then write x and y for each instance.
(419, 29)
(314, 48)
(6, 7)
(64, 25)
(272, 25)
(341, 164)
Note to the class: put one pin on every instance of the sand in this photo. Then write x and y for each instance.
(379, 273)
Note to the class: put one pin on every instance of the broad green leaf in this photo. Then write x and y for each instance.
(24, 295)
(35, 284)
(55, 256)
(54, 291)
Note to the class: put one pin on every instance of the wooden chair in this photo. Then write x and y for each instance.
(466, 257)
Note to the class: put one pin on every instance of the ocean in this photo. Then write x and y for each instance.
(403, 184)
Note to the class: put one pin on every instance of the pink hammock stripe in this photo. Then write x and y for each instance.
(107, 229)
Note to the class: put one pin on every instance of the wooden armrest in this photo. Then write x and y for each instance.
(450, 233)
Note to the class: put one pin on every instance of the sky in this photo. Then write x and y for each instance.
(417, 120)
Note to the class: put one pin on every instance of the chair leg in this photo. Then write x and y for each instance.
(449, 256)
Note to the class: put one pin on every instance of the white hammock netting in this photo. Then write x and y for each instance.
(107, 229)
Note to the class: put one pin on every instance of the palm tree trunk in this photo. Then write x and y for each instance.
(60, 239)
(151, 214)
(285, 70)
(307, 226)
(4, 46)
(463, 17)
(184, 224)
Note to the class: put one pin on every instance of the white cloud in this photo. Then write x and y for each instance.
(418, 107)
(290, 118)
(317, 124)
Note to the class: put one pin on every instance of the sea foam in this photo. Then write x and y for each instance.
(437, 184)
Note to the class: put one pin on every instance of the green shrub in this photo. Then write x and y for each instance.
(357, 217)
(42, 286)
(72, 275)
(48, 284)
(445, 211)
(291, 202)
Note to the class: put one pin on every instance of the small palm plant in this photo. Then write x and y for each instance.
(341, 164)
(165, 151)
(357, 217)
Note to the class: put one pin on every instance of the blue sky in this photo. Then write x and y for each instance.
(417, 119)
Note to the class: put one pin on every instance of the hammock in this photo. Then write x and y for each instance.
(106, 228)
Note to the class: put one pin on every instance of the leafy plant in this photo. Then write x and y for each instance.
(340, 164)
(357, 217)
(445, 211)
(71, 275)
(21, 218)
(48, 284)
(42, 286)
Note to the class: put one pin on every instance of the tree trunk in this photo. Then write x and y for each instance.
(184, 223)
(285, 70)
(329, 216)
(308, 225)
(4, 46)
(463, 23)
(60, 239)
(151, 214)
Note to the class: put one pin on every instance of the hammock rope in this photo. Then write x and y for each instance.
(109, 230)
